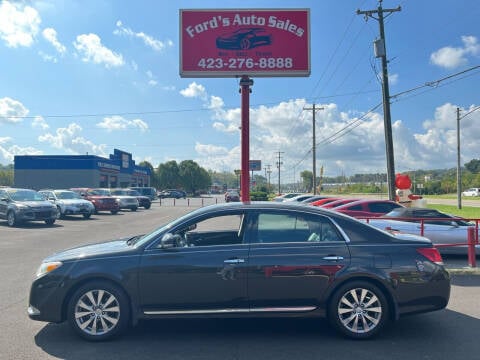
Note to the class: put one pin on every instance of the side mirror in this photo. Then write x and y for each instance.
(170, 240)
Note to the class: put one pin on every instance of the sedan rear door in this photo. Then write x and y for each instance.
(293, 258)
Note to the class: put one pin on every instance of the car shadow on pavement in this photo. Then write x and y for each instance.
(433, 335)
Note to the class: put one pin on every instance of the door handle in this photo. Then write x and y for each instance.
(234, 261)
(333, 258)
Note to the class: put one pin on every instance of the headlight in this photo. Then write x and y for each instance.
(47, 267)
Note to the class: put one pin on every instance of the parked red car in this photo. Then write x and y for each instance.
(324, 201)
(101, 202)
(336, 203)
(368, 208)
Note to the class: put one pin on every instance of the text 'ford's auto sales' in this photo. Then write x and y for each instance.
(221, 43)
(251, 20)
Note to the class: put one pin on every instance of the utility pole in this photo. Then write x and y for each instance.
(459, 169)
(269, 171)
(279, 164)
(381, 51)
(314, 149)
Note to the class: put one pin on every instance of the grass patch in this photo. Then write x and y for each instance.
(468, 212)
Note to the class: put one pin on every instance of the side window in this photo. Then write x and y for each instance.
(281, 228)
(356, 208)
(212, 231)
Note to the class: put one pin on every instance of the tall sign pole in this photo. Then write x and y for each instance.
(244, 43)
(245, 83)
(459, 169)
(381, 51)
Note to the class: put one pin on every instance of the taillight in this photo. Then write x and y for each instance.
(431, 254)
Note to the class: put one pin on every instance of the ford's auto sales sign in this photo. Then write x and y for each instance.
(253, 42)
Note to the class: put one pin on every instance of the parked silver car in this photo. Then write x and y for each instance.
(21, 205)
(69, 203)
(440, 228)
(123, 201)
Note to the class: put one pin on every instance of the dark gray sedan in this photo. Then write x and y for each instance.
(244, 259)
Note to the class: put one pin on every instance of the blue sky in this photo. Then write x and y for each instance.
(93, 75)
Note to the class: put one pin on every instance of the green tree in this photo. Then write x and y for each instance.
(6, 177)
(168, 175)
(473, 166)
(193, 177)
(153, 176)
(307, 179)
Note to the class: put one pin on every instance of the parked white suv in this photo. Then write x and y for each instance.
(69, 203)
(471, 192)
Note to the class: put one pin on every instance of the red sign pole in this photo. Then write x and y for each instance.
(245, 83)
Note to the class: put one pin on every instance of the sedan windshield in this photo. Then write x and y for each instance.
(67, 195)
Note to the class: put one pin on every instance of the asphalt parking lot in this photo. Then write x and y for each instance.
(447, 334)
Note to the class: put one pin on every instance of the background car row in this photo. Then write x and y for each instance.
(21, 205)
(448, 232)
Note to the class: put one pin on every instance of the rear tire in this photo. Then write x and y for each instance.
(59, 213)
(99, 311)
(358, 310)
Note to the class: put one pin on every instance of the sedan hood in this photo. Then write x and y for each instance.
(75, 201)
(110, 248)
(37, 204)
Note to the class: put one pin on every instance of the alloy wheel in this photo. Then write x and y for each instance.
(97, 312)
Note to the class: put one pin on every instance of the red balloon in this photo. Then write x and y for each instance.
(403, 182)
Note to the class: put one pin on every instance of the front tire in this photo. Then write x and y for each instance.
(98, 311)
(358, 310)
(11, 219)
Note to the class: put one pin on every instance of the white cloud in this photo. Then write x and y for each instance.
(7, 153)
(453, 57)
(91, 49)
(194, 90)
(51, 36)
(39, 122)
(69, 139)
(11, 111)
(346, 142)
(148, 40)
(19, 24)
(47, 57)
(210, 150)
(151, 77)
(115, 123)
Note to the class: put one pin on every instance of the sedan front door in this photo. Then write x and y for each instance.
(204, 273)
